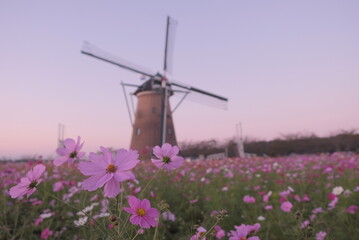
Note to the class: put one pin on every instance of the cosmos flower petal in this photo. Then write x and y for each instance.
(157, 151)
(70, 144)
(99, 159)
(134, 202)
(107, 155)
(104, 179)
(253, 238)
(135, 220)
(126, 160)
(166, 149)
(112, 188)
(234, 235)
(158, 163)
(80, 147)
(91, 168)
(90, 183)
(30, 191)
(153, 212)
(173, 151)
(123, 176)
(77, 146)
(144, 223)
(145, 204)
(62, 151)
(25, 181)
(152, 221)
(242, 231)
(18, 191)
(176, 162)
(38, 170)
(129, 210)
(60, 160)
(80, 155)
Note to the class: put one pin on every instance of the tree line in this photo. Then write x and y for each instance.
(285, 145)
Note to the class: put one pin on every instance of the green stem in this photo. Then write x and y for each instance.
(135, 235)
(116, 206)
(210, 229)
(149, 182)
(154, 237)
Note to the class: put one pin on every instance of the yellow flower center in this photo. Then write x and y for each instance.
(243, 238)
(141, 212)
(111, 168)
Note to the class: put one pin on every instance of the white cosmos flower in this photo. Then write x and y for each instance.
(45, 215)
(338, 190)
(81, 221)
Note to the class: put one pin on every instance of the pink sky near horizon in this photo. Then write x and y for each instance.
(286, 67)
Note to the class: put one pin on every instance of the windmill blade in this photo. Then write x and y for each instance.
(93, 51)
(199, 91)
(203, 97)
(169, 45)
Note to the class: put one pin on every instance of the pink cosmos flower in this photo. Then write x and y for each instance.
(320, 235)
(331, 196)
(167, 215)
(220, 233)
(142, 213)
(332, 204)
(201, 231)
(242, 232)
(58, 186)
(28, 183)
(266, 196)
(305, 224)
(296, 197)
(70, 152)
(286, 206)
(249, 199)
(108, 170)
(167, 155)
(305, 198)
(268, 207)
(254, 228)
(46, 233)
(352, 209)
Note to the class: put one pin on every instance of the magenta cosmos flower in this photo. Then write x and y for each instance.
(142, 213)
(286, 206)
(70, 152)
(242, 232)
(28, 183)
(108, 170)
(249, 199)
(167, 155)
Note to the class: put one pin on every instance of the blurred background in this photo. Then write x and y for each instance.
(289, 69)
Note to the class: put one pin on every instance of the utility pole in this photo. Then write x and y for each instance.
(240, 145)
(60, 136)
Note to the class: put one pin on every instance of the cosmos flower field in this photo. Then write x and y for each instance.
(293, 197)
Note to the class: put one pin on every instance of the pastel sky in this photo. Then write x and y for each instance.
(286, 67)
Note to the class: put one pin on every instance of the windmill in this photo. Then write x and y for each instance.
(153, 124)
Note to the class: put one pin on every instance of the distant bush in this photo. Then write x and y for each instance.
(286, 145)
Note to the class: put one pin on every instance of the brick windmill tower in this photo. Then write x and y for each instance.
(153, 124)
